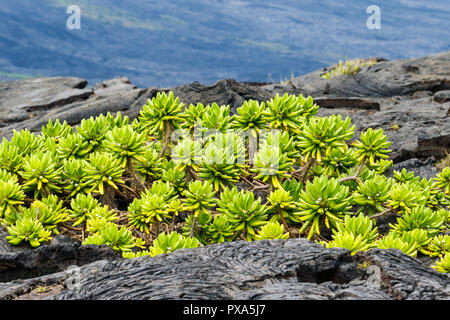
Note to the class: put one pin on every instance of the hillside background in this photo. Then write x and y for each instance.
(167, 43)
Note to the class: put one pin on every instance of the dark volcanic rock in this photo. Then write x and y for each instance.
(442, 96)
(278, 269)
(25, 263)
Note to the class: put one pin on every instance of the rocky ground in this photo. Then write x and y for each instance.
(409, 99)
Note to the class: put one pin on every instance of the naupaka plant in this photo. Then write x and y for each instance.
(279, 171)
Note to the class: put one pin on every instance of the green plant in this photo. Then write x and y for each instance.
(81, 206)
(269, 163)
(93, 131)
(394, 242)
(443, 265)
(245, 213)
(73, 174)
(199, 197)
(271, 230)
(282, 204)
(439, 246)
(11, 196)
(419, 217)
(216, 119)
(443, 180)
(72, 146)
(405, 176)
(220, 229)
(26, 141)
(283, 112)
(325, 201)
(10, 157)
(250, 116)
(350, 241)
(110, 235)
(192, 115)
(98, 217)
(217, 167)
(321, 135)
(403, 198)
(372, 194)
(41, 173)
(125, 144)
(56, 131)
(358, 226)
(28, 229)
(348, 67)
(103, 168)
(166, 243)
(372, 145)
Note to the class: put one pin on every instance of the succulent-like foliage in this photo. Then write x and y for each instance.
(394, 242)
(443, 180)
(125, 144)
(250, 116)
(350, 241)
(348, 67)
(419, 217)
(358, 226)
(41, 173)
(325, 201)
(283, 112)
(245, 213)
(220, 230)
(93, 131)
(11, 196)
(272, 171)
(198, 226)
(28, 229)
(199, 197)
(272, 230)
(150, 166)
(161, 112)
(405, 176)
(217, 168)
(10, 157)
(443, 265)
(26, 141)
(98, 217)
(373, 144)
(72, 146)
(81, 206)
(110, 235)
(338, 162)
(187, 153)
(192, 115)
(282, 204)
(103, 168)
(56, 131)
(403, 198)
(166, 243)
(270, 164)
(439, 246)
(323, 134)
(216, 118)
(372, 194)
(73, 173)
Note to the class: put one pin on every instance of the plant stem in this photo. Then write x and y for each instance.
(194, 221)
(307, 168)
(381, 214)
(361, 167)
(354, 178)
(166, 137)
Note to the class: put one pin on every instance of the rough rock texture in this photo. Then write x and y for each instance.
(277, 269)
(23, 262)
(409, 99)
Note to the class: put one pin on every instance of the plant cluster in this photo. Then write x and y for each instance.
(273, 170)
(348, 67)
